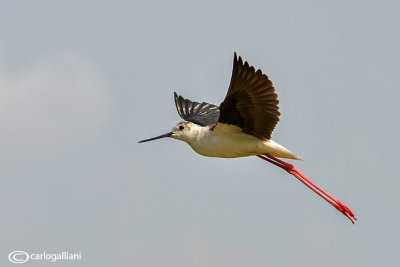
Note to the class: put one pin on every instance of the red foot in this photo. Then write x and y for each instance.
(293, 171)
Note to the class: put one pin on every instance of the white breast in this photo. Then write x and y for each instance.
(228, 141)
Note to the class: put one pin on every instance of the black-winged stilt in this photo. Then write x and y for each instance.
(241, 126)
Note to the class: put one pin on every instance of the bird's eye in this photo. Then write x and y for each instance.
(181, 127)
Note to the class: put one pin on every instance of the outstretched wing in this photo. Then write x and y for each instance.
(200, 113)
(251, 102)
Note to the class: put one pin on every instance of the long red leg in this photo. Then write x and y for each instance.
(293, 171)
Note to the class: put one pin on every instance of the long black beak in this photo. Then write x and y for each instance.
(155, 138)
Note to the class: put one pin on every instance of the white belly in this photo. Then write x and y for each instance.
(233, 144)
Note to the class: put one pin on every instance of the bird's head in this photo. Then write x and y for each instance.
(185, 131)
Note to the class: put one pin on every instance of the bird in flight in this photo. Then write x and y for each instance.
(241, 126)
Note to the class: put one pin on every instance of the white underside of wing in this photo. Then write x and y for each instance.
(228, 141)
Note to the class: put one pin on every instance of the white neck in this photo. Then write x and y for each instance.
(197, 134)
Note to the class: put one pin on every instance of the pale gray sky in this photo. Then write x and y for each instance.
(82, 82)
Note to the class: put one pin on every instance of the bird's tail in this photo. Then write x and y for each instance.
(279, 151)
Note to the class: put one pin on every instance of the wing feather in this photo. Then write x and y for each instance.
(251, 102)
(202, 114)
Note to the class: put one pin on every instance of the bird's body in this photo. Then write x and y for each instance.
(229, 141)
(241, 126)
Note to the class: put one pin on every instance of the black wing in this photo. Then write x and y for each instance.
(251, 102)
(202, 114)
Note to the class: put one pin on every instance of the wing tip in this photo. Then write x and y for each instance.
(178, 104)
(237, 60)
(176, 98)
(179, 98)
